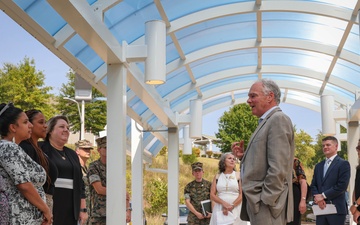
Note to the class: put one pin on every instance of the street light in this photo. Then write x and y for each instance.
(81, 114)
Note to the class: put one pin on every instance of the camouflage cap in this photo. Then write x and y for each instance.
(84, 144)
(196, 166)
(101, 142)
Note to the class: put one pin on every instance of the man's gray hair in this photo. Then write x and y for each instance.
(271, 86)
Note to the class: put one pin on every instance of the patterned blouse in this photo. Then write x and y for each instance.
(16, 167)
(4, 204)
(298, 172)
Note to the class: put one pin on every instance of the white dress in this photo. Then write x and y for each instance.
(228, 190)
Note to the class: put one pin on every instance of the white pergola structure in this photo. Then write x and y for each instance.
(214, 51)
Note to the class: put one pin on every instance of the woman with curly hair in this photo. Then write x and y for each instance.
(226, 193)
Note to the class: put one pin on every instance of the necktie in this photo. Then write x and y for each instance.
(326, 166)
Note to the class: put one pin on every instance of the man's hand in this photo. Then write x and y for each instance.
(238, 149)
(356, 216)
(200, 216)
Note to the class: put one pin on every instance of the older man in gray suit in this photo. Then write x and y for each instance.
(266, 166)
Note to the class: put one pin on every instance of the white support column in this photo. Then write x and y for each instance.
(353, 135)
(173, 176)
(116, 145)
(327, 115)
(137, 174)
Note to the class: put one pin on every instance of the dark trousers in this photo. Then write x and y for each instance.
(297, 198)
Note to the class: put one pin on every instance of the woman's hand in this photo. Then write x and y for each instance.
(225, 211)
(302, 206)
(83, 217)
(47, 217)
(128, 216)
(227, 206)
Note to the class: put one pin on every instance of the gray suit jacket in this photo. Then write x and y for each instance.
(267, 167)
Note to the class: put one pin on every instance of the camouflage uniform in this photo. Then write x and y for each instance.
(85, 144)
(97, 172)
(197, 192)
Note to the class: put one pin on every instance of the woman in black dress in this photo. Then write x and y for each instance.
(299, 192)
(69, 192)
(31, 147)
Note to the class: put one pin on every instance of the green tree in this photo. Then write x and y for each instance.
(23, 85)
(304, 150)
(157, 196)
(95, 112)
(235, 125)
(189, 159)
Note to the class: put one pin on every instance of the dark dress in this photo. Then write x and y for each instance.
(357, 185)
(298, 173)
(66, 198)
(53, 173)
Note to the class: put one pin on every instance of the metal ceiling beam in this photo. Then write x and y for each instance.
(266, 6)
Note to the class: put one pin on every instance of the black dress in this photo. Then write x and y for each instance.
(66, 199)
(357, 185)
(53, 173)
(298, 173)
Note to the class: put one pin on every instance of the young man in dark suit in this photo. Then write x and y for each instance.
(329, 184)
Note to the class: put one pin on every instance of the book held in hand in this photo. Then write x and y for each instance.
(206, 207)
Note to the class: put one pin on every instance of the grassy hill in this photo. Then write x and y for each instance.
(210, 167)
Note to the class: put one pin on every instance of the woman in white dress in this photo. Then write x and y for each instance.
(226, 193)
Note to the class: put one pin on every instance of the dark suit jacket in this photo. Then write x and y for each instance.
(334, 184)
(267, 167)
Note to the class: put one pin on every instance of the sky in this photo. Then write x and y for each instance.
(16, 43)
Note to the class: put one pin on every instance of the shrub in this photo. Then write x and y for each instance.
(209, 153)
(157, 196)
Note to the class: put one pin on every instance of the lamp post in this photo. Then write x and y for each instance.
(81, 114)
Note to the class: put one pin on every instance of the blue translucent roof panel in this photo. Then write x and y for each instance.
(137, 105)
(176, 9)
(217, 31)
(352, 42)
(296, 79)
(339, 3)
(225, 82)
(301, 96)
(347, 71)
(173, 81)
(297, 58)
(340, 92)
(127, 15)
(224, 61)
(43, 14)
(188, 96)
(79, 48)
(303, 26)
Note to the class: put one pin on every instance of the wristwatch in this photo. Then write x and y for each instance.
(355, 204)
(83, 210)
